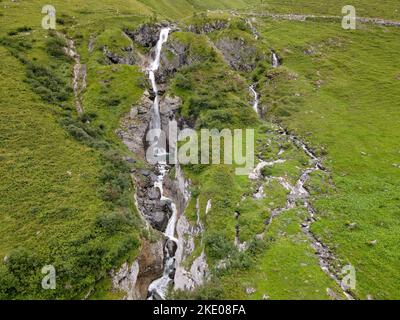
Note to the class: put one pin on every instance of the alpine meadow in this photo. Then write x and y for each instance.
(275, 126)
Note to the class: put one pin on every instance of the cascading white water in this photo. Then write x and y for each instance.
(156, 121)
(256, 100)
(275, 60)
(158, 288)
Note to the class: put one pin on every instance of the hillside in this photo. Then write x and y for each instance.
(78, 193)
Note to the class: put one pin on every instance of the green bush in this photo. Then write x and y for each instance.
(218, 247)
(44, 81)
(266, 172)
(55, 47)
(112, 222)
(183, 82)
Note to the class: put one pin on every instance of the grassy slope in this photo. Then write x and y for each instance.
(36, 156)
(387, 9)
(55, 177)
(226, 102)
(92, 12)
(353, 116)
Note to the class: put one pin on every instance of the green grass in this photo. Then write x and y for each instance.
(348, 111)
(67, 196)
(50, 202)
(387, 9)
(287, 270)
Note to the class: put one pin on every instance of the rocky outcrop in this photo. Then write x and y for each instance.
(125, 280)
(146, 35)
(127, 58)
(134, 126)
(134, 279)
(156, 211)
(208, 27)
(168, 107)
(189, 279)
(173, 57)
(238, 53)
(195, 275)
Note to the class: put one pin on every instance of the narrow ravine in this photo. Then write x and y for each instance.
(158, 288)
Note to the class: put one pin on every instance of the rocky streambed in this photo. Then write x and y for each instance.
(161, 198)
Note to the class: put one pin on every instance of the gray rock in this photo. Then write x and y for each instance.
(134, 126)
(208, 27)
(146, 35)
(171, 247)
(158, 220)
(239, 53)
(127, 58)
(154, 194)
(130, 160)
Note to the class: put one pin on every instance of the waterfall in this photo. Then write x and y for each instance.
(274, 60)
(156, 121)
(256, 99)
(159, 287)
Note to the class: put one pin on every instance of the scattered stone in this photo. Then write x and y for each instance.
(130, 160)
(352, 225)
(145, 172)
(332, 294)
(250, 291)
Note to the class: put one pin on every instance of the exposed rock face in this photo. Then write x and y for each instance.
(208, 27)
(173, 57)
(134, 126)
(127, 58)
(125, 280)
(134, 279)
(198, 272)
(146, 35)
(157, 212)
(186, 234)
(239, 54)
(168, 107)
